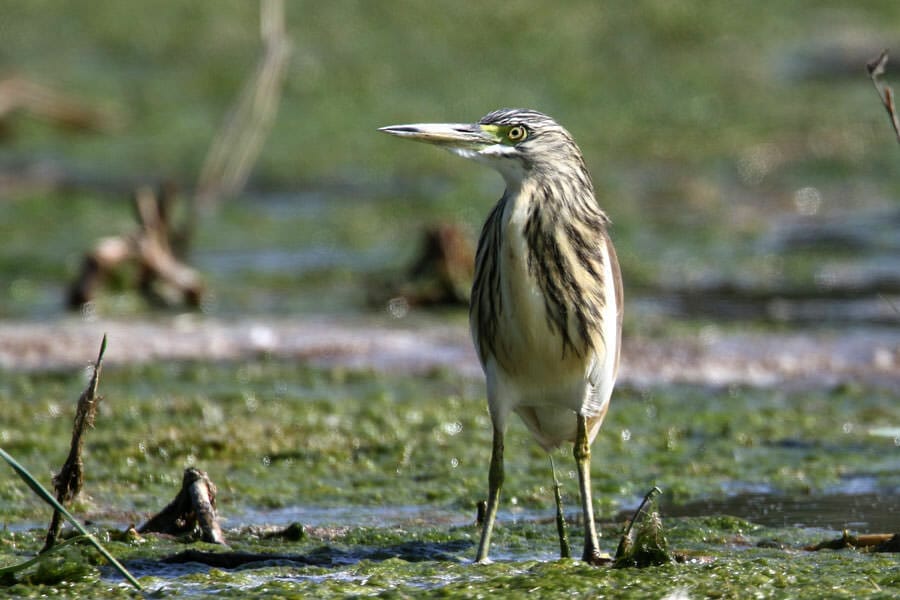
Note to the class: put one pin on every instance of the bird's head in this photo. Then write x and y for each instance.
(516, 142)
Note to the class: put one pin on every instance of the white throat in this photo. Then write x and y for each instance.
(500, 157)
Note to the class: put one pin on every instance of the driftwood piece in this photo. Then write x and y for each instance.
(154, 247)
(69, 481)
(870, 542)
(445, 265)
(440, 275)
(21, 94)
(192, 510)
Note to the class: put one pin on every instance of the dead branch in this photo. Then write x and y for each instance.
(238, 143)
(43, 102)
(69, 481)
(877, 69)
(154, 247)
(192, 510)
(872, 542)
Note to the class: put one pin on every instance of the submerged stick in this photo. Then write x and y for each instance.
(69, 481)
(234, 560)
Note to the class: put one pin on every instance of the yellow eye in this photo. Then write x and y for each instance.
(516, 133)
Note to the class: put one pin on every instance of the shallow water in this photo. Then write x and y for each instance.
(861, 513)
(873, 512)
(348, 516)
(712, 355)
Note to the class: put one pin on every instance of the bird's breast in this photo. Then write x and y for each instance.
(533, 348)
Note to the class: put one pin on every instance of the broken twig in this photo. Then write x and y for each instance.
(69, 481)
(877, 69)
(238, 143)
(648, 546)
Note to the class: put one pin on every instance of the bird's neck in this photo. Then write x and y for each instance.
(548, 200)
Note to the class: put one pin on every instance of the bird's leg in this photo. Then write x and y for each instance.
(495, 482)
(561, 529)
(582, 452)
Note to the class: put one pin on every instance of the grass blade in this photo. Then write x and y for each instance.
(49, 499)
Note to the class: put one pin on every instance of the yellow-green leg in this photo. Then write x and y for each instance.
(561, 529)
(495, 482)
(582, 452)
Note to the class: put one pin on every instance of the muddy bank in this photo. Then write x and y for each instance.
(711, 357)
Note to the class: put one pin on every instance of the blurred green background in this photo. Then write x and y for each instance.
(707, 127)
(739, 148)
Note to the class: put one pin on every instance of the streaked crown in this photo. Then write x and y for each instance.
(539, 141)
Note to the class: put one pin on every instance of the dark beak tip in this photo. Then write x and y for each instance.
(397, 129)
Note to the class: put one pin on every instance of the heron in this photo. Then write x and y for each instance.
(545, 309)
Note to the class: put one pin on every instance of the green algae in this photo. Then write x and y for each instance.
(726, 569)
(359, 438)
(274, 435)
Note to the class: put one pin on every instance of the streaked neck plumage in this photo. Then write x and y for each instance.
(551, 205)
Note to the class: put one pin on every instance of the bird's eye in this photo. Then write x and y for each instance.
(516, 133)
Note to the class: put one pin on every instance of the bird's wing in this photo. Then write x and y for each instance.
(602, 373)
(620, 298)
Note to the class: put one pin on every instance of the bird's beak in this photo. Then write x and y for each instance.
(453, 136)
